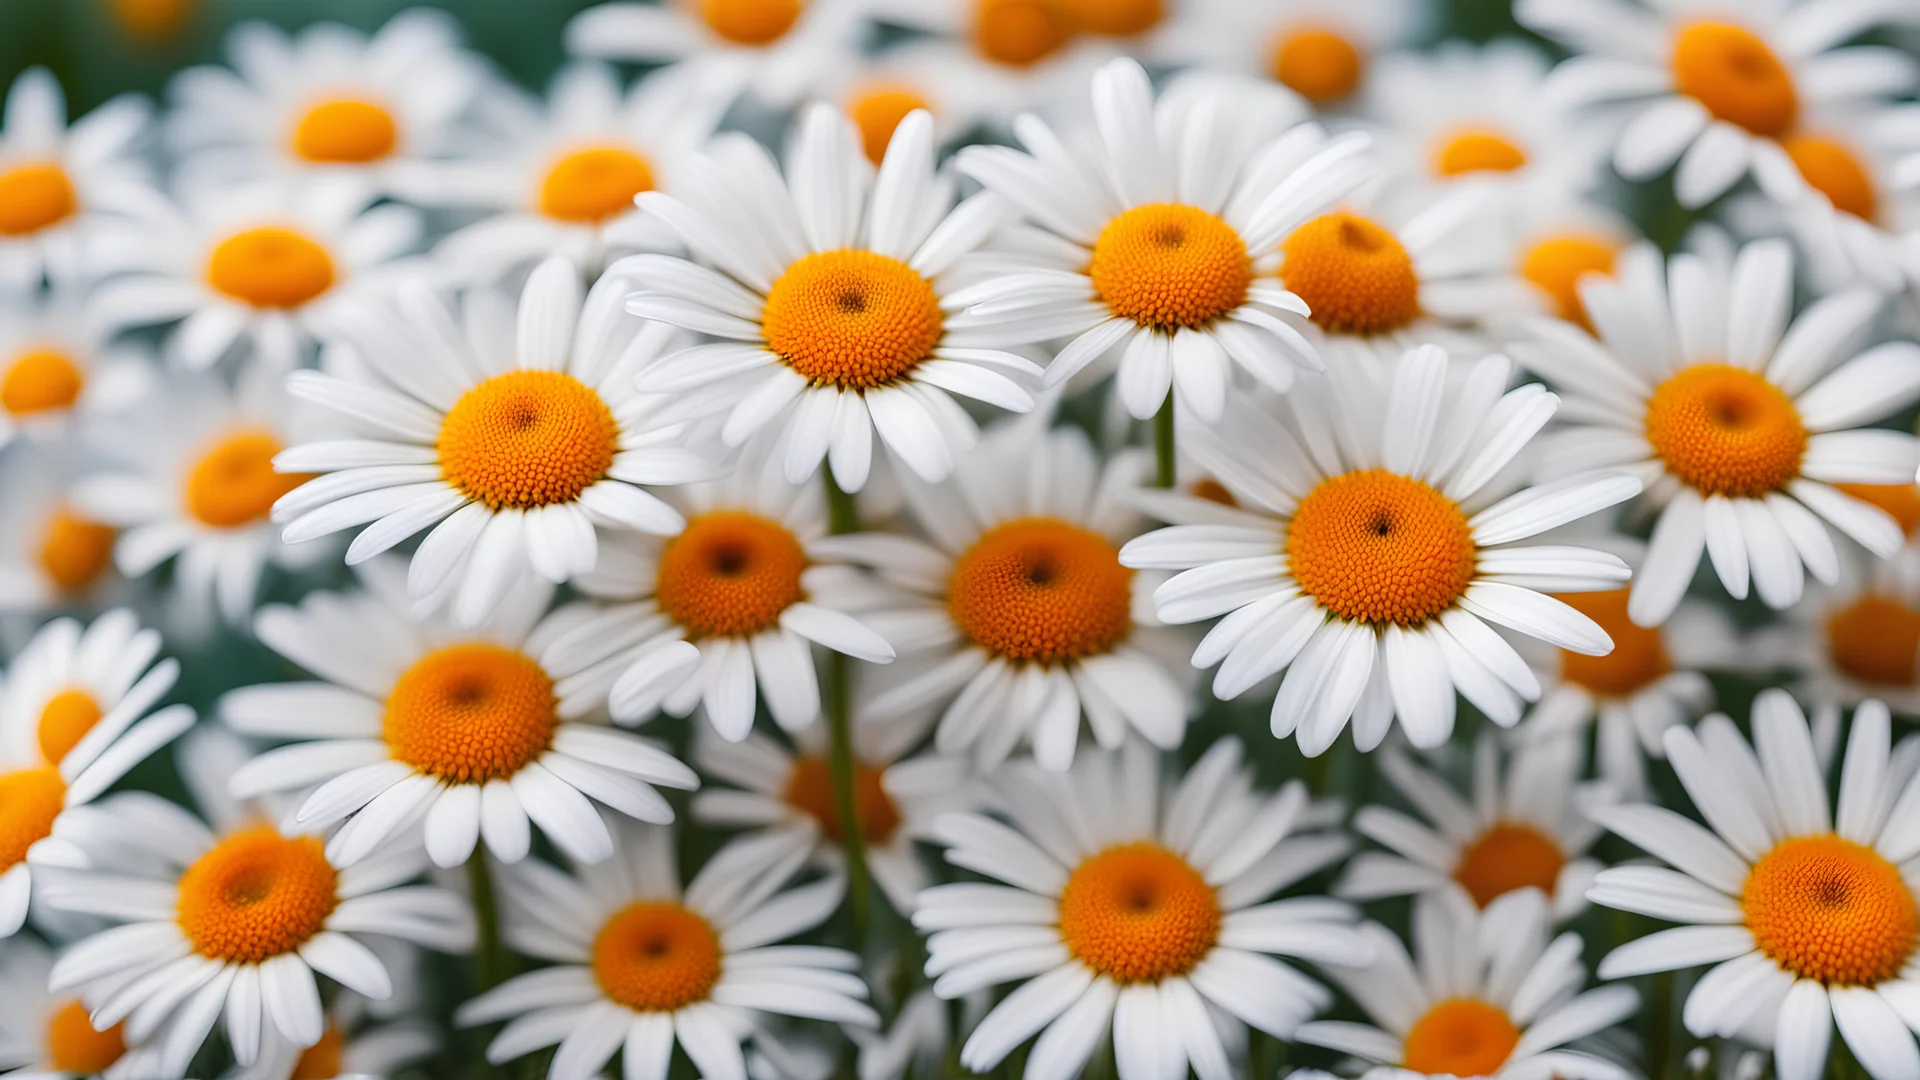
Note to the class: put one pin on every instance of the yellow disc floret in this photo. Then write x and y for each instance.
(750, 22)
(1476, 151)
(1376, 547)
(1736, 76)
(1726, 431)
(594, 183)
(527, 439)
(256, 895)
(325, 1059)
(74, 551)
(467, 714)
(1018, 32)
(877, 110)
(1114, 18)
(809, 789)
(1170, 265)
(270, 267)
(40, 380)
(851, 318)
(1639, 657)
(345, 131)
(656, 956)
(1138, 913)
(232, 483)
(1556, 264)
(30, 800)
(730, 573)
(1875, 640)
(1319, 64)
(1355, 276)
(34, 196)
(1508, 856)
(1901, 501)
(1041, 589)
(64, 720)
(1828, 909)
(75, 1046)
(1834, 170)
(1460, 1037)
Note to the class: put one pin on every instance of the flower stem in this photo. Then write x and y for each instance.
(844, 517)
(493, 958)
(1163, 472)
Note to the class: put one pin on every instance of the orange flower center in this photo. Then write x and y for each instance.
(1376, 547)
(1726, 431)
(1506, 857)
(1734, 74)
(1041, 589)
(656, 956)
(810, 790)
(593, 184)
(1477, 151)
(346, 131)
(153, 22)
(877, 110)
(1213, 491)
(233, 482)
(1354, 275)
(1460, 1037)
(1169, 265)
(470, 713)
(34, 196)
(40, 380)
(730, 574)
(75, 1046)
(30, 800)
(1830, 909)
(527, 439)
(751, 22)
(1902, 501)
(324, 1059)
(64, 720)
(851, 318)
(1876, 640)
(1835, 171)
(1018, 32)
(257, 895)
(270, 266)
(1639, 655)
(1114, 18)
(74, 551)
(1320, 65)
(1138, 913)
(1556, 264)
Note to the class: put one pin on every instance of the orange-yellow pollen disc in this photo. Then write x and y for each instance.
(74, 551)
(1829, 909)
(593, 184)
(810, 790)
(1138, 913)
(1460, 1037)
(877, 110)
(34, 196)
(1639, 656)
(1726, 431)
(75, 1046)
(1876, 640)
(323, 1060)
(233, 482)
(851, 318)
(1736, 76)
(270, 266)
(1114, 18)
(751, 22)
(1556, 264)
(1319, 64)
(346, 131)
(40, 380)
(1376, 547)
(527, 439)
(1506, 857)
(1354, 275)
(470, 713)
(64, 720)
(1477, 151)
(656, 956)
(1041, 589)
(1213, 491)
(256, 895)
(1170, 265)
(152, 22)
(1834, 170)
(731, 574)
(30, 800)
(1902, 501)
(1018, 32)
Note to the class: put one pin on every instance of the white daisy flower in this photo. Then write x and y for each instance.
(558, 177)
(59, 366)
(52, 556)
(1323, 50)
(424, 721)
(1522, 827)
(1803, 910)
(781, 49)
(1016, 615)
(260, 266)
(1371, 546)
(329, 100)
(1485, 994)
(1717, 87)
(1164, 236)
(832, 294)
(1557, 243)
(49, 1037)
(356, 1045)
(640, 962)
(1728, 414)
(915, 1045)
(57, 180)
(511, 434)
(1135, 906)
(73, 719)
(1852, 200)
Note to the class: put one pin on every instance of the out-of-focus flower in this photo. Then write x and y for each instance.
(782, 49)
(59, 180)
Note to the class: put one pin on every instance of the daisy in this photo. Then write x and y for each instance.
(52, 556)
(58, 366)
(1323, 50)
(915, 1045)
(1370, 548)
(1558, 243)
(57, 180)
(1134, 906)
(73, 719)
(640, 962)
(1164, 237)
(1852, 198)
(425, 721)
(1490, 996)
(729, 608)
(560, 175)
(831, 292)
(511, 434)
(1776, 880)
(49, 1037)
(1523, 827)
(260, 267)
(781, 49)
(1716, 87)
(355, 1045)
(1699, 386)
(327, 101)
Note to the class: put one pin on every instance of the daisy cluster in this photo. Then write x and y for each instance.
(921, 538)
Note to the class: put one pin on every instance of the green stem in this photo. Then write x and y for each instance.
(493, 958)
(842, 515)
(845, 517)
(1660, 1035)
(1163, 471)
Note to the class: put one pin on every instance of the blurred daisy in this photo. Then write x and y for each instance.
(916, 1044)
(832, 293)
(1322, 50)
(46, 1037)
(1524, 828)
(58, 180)
(1852, 198)
(329, 100)
(1778, 883)
(782, 49)
(1485, 994)
(355, 1045)
(1717, 87)
(261, 266)
(73, 719)
(1370, 548)
(642, 963)
(52, 556)
(1699, 386)
(1164, 237)
(1558, 243)
(510, 434)
(58, 366)
(1137, 907)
